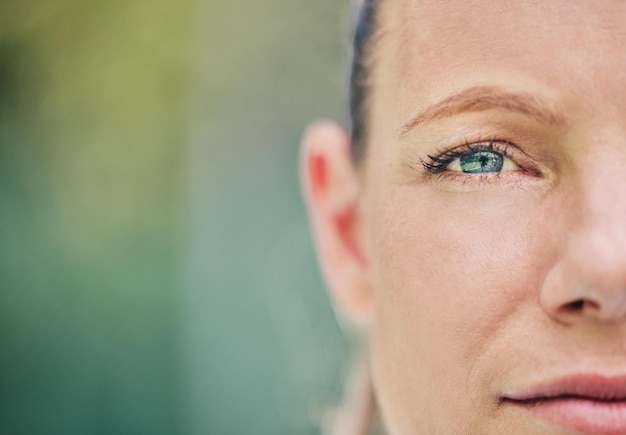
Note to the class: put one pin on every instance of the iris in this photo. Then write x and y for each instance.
(481, 161)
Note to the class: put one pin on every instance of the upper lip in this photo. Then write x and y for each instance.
(584, 386)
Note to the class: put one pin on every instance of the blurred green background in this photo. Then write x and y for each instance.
(156, 273)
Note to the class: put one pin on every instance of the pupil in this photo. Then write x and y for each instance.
(481, 162)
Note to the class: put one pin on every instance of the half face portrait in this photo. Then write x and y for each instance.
(472, 221)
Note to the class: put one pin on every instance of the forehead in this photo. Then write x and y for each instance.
(430, 49)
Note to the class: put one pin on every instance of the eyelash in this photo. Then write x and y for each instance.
(435, 164)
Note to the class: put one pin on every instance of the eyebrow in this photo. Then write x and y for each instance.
(479, 99)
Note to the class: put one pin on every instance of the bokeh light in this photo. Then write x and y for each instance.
(156, 273)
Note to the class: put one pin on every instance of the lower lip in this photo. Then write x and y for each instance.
(582, 415)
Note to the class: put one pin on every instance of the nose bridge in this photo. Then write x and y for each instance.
(601, 236)
(598, 244)
(597, 240)
(588, 281)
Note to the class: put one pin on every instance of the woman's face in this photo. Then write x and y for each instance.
(488, 234)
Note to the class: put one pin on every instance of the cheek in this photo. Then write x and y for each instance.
(451, 271)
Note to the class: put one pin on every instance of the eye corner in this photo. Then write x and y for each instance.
(432, 164)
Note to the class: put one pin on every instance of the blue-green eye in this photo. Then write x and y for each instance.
(478, 162)
(473, 158)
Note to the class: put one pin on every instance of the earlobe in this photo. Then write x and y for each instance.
(331, 191)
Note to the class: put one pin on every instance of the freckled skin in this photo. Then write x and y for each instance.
(471, 277)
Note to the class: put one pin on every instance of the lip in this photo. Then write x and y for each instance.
(587, 403)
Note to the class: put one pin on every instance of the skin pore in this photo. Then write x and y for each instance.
(481, 243)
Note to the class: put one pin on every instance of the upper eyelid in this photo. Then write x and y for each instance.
(500, 146)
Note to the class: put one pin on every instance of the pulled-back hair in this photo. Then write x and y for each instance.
(358, 415)
(359, 76)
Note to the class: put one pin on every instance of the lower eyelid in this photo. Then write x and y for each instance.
(460, 181)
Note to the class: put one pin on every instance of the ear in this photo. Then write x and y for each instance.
(331, 190)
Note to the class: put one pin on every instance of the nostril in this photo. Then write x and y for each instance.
(575, 306)
(580, 304)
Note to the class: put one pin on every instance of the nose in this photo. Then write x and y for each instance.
(588, 280)
(587, 284)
